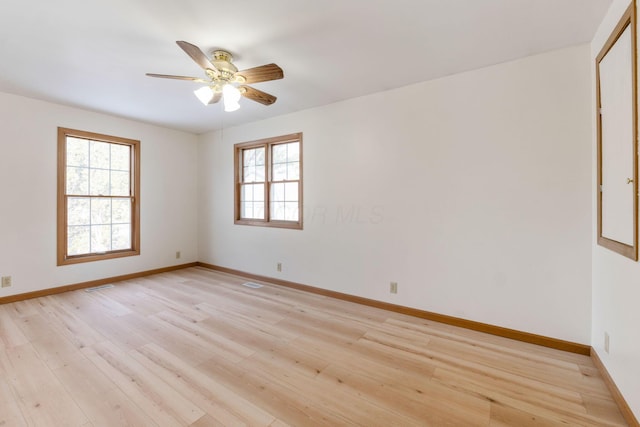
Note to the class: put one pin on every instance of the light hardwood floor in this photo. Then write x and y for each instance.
(196, 348)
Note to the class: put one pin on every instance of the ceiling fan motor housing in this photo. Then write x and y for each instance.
(222, 60)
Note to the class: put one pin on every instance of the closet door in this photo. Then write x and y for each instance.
(617, 140)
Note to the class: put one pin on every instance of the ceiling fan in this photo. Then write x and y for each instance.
(224, 80)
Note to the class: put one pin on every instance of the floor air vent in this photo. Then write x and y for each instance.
(97, 288)
(252, 285)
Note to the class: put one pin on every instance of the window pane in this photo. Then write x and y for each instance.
(291, 192)
(121, 237)
(249, 174)
(246, 210)
(249, 158)
(277, 211)
(279, 172)
(279, 153)
(78, 238)
(291, 211)
(258, 193)
(77, 152)
(99, 182)
(293, 170)
(252, 210)
(121, 211)
(100, 238)
(247, 193)
(293, 152)
(100, 211)
(260, 173)
(120, 183)
(277, 192)
(259, 156)
(78, 211)
(253, 166)
(120, 157)
(258, 210)
(77, 181)
(284, 201)
(99, 153)
(252, 193)
(286, 165)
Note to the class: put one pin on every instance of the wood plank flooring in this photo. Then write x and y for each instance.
(196, 348)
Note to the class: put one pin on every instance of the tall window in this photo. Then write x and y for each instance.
(268, 182)
(98, 196)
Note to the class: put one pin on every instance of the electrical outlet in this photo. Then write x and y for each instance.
(178, 254)
(279, 266)
(6, 281)
(393, 287)
(606, 342)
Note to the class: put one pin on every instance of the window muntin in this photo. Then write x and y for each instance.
(98, 186)
(269, 182)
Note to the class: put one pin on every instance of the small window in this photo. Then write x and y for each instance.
(268, 182)
(98, 197)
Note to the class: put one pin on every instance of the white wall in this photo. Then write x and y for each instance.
(616, 279)
(471, 191)
(28, 156)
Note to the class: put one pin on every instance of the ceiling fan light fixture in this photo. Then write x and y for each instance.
(205, 94)
(230, 97)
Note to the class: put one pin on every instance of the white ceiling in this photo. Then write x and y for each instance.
(94, 54)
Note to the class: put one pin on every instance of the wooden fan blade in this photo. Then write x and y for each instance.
(257, 95)
(263, 73)
(167, 76)
(216, 98)
(196, 54)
